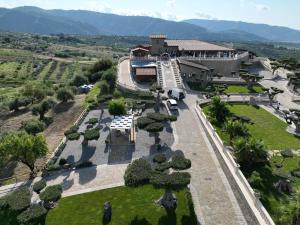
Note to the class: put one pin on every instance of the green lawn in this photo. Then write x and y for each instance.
(92, 95)
(130, 206)
(231, 89)
(243, 89)
(273, 132)
(266, 127)
(279, 205)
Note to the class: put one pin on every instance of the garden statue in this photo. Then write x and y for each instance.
(107, 211)
(294, 117)
(284, 186)
(168, 201)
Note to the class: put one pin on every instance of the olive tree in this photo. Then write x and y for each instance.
(33, 126)
(64, 94)
(117, 107)
(43, 107)
(24, 147)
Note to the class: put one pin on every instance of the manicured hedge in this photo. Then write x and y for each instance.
(32, 214)
(158, 117)
(180, 162)
(92, 121)
(38, 186)
(19, 199)
(72, 130)
(173, 180)
(73, 136)
(92, 134)
(159, 158)
(142, 122)
(137, 173)
(51, 193)
(163, 166)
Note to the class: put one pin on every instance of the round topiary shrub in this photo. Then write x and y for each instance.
(92, 134)
(73, 136)
(38, 186)
(174, 180)
(172, 118)
(19, 199)
(142, 122)
(92, 121)
(137, 173)
(32, 214)
(158, 117)
(159, 158)
(179, 162)
(163, 166)
(72, 130)
(51, 193)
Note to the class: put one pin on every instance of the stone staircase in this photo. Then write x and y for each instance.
(160, 79)
(176, 74)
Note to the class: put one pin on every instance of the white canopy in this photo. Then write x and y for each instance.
(122, 123)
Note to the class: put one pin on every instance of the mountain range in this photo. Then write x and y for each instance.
(36, 20)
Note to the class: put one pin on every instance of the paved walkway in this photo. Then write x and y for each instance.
(215, 203)
(81, 181)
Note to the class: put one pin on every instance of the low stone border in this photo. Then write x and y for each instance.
(255, 211)
(62, 144)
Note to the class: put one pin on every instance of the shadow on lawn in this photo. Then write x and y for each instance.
(137, 221)
(169, 219)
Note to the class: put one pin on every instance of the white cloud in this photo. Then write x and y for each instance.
(202, 15)
(261, 7)
(171, 3)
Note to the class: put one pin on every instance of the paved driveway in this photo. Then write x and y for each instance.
(213, 197)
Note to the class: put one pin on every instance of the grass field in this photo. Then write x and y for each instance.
(279, 205)
(266, 127)
(231, 89)
(273, 132)
(130, 206)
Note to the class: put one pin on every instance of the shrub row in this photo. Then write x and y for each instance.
(173, 180)
(137, 173)
(51, 193)
(32, 214)
(159, 158)
(19, 199)
(38, 186)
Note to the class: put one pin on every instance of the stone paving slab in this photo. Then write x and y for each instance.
(211, 190)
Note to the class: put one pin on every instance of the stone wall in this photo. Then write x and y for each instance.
(223, 66)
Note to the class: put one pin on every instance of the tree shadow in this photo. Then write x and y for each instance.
(63, 106)
(137, 221)
(87, 174)
(87, 153)
(169, 219)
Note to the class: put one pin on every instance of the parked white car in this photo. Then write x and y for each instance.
(172, 104)
(176, 94)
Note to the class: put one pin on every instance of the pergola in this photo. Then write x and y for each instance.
(122, 123)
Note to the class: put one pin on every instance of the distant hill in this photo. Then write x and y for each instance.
(274, 33)
(36, 20)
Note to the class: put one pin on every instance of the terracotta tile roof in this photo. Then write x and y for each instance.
(195, 45)
(145, 72)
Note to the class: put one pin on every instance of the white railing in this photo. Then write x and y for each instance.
(253, 202)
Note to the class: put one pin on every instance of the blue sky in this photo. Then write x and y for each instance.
(274, 12)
